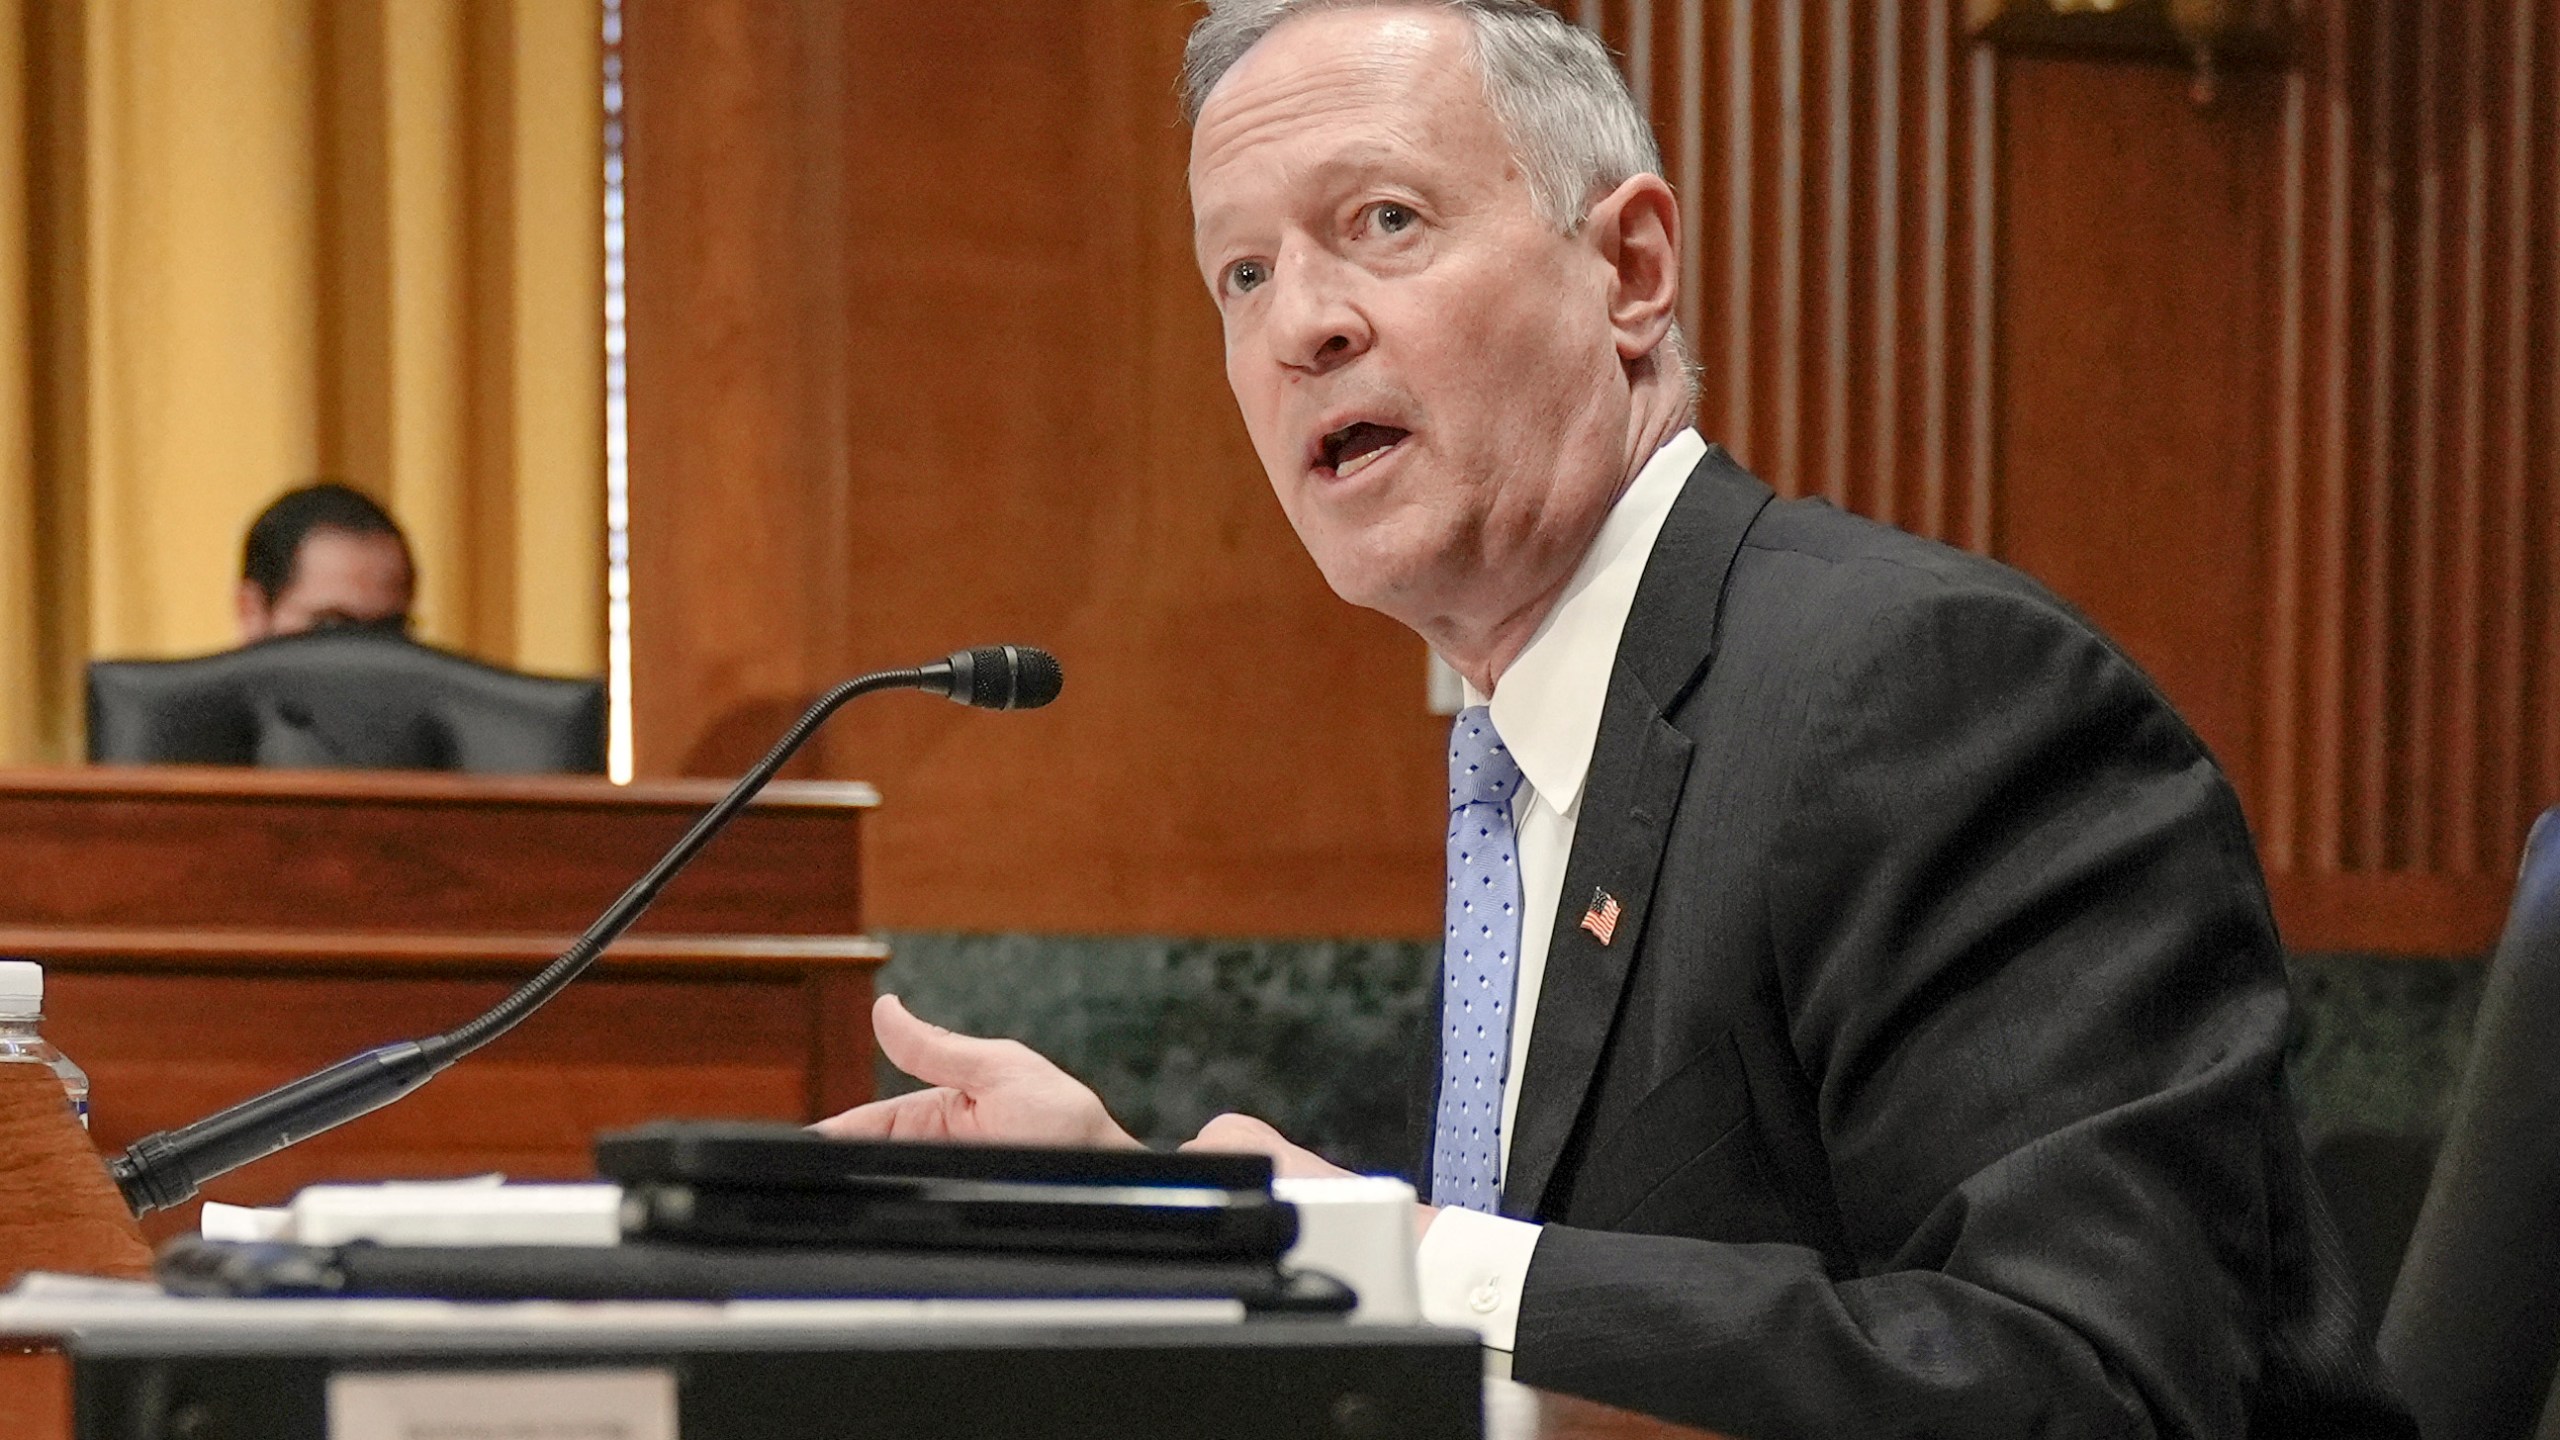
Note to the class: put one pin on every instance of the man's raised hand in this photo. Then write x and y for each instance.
(1246, 1135)
(998, 1091)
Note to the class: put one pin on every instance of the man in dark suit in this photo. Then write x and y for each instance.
(1860, 1013)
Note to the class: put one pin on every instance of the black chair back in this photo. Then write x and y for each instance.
(2473, 1328)
(343, 699)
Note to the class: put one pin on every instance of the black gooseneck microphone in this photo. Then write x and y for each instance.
(167, 1168)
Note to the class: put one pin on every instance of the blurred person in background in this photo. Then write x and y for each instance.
(321, 556)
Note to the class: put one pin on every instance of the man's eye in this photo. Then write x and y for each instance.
(1393, 218)
(1245, 275)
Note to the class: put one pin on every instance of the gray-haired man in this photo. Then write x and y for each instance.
(1860, 1013)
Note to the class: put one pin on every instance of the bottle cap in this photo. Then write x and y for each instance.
(21, 987)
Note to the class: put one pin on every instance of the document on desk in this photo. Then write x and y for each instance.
(503, 1405)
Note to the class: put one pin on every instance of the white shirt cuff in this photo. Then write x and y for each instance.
(1472, 1265)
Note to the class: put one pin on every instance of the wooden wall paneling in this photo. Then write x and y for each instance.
(2528, 208)
(35, 1394)
(2543, 615)
(2367, 782)
(2295, 531)
(350, 953)
(1040, 447)
(1237, 751)
(1834, 162)
(738, 374)
(2412, 465)
(59, 1209)
(2134, 255)
(2543, 620)
(2465, 353)
(2424, 475)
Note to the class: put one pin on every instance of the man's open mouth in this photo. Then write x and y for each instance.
(1354, 447)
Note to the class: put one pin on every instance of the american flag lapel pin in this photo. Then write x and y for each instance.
(1602, 918)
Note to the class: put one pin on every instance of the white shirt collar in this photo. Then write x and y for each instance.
(1547, 705)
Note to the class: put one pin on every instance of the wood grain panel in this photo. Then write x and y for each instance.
(357, 952)
(1835, 166)
(247, 849)
(2410, 657)
(1038, 445)
(739, 372)
(2133, 385)
(59, 1207)
(35, 1394)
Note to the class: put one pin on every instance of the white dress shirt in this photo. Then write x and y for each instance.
(1547, 708)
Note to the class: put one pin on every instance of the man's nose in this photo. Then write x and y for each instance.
(1316, 326)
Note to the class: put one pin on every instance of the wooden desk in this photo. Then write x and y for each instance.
(208, 933)
(1514, 1411)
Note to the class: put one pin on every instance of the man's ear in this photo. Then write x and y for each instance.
(249, 607)
(1636, 230)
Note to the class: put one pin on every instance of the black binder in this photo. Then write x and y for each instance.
(727, 1183)
(729, 1211)
(643, 1271)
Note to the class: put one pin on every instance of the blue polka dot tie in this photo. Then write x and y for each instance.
(1480, 957)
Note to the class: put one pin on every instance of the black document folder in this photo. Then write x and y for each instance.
(642, 1271)
(730, 1183)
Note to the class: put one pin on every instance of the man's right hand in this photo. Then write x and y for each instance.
(998, 1091)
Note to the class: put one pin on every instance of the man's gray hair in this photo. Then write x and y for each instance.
(1561, 102)
(1551, 84)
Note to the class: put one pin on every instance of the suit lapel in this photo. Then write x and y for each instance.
(1639, 767)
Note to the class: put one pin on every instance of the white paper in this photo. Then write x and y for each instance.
(504, 1405)
(1359, 1231)
(470, 1212)
(243, 1223)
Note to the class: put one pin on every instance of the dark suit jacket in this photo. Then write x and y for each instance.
(1933, 1081)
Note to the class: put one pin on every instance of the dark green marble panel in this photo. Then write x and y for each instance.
(2379, 1040)
(1318, 1036)
(1313, 1036)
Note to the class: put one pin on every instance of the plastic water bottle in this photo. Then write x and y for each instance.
(21, 1041)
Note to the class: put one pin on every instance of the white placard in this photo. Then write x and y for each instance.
(503, 1405)
(469, 1212)
(1359, 1231)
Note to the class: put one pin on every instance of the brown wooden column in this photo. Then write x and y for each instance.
(739, 370)
(920, 359)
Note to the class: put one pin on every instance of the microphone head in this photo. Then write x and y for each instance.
(1005, 677)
